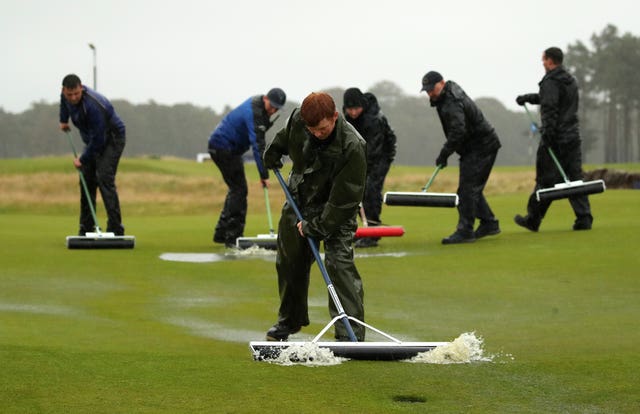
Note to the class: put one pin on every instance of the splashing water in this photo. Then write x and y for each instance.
(251, 251)
(308, 354)
(464, 349)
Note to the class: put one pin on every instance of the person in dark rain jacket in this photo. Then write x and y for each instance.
(327, 182)
(363, 112)
(469, 134)
(558, 99)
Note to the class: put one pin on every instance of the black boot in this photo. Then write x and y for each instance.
(526, 223)
(487, 228)
(460, 236)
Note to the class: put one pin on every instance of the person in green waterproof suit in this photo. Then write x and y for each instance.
(327, 183)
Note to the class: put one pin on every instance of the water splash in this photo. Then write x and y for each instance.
(251, 251)
(464, 349)
(308, 354)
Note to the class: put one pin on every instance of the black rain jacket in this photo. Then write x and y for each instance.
(463, 123)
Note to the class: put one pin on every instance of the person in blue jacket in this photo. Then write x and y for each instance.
(241, 129)
(103, 133)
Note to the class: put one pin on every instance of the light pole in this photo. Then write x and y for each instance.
(95, 67)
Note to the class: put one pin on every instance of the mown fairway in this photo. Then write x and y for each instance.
(126, 332)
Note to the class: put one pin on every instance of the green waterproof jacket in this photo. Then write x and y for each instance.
(326, 181)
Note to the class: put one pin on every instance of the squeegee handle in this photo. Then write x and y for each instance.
(84, 184)
(266, 200)
(316, 254)
(553, 156)
(433, 176)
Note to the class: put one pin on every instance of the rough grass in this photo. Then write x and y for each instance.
(123, 331)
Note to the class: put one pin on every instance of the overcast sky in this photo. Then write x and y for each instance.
(214, 53)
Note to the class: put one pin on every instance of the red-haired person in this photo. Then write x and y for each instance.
(327, 183)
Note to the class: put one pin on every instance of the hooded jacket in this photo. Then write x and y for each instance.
(463, 123)
(558, 99)
(327, 177)
(374, 127)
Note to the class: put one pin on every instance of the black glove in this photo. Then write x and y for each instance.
(442, 159)
(521, 100)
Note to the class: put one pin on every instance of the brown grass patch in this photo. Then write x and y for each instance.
(142, 193)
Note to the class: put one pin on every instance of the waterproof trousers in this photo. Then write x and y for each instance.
(234, 212)
(475, 169)
(293, 264)
(101, 173)
(372, 199)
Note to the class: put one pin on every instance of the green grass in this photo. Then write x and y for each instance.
(125, 332)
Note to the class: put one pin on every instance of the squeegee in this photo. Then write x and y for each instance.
(422, 198)
(376, 231)
(96, 239)
(263, 241)
(393, 349)
(567, 188)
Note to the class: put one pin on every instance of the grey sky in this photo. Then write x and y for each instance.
(217, 53)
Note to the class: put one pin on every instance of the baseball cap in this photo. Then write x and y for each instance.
(277, 98)
(429, 80)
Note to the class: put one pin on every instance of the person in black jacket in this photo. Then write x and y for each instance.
(558, 99)
(469, 134)
(363, 112)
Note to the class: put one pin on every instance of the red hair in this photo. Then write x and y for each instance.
(316, 107)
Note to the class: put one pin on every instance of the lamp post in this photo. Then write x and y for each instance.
(95, 67)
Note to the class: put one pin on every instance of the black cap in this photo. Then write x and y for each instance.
(353, 98)
(429, 80)
(277, 97)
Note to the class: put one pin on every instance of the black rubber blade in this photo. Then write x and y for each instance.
(115, 242)
(269, 243)
(572, 189)
(421, 199)
(369, 351)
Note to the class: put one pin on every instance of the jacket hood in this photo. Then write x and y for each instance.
(372, 106)
(559, 74)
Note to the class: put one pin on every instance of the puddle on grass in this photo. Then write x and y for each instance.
(206, 329)
(38, 309)
(253, 252)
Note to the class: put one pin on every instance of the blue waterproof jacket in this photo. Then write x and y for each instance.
(244, 128)
(96, 120)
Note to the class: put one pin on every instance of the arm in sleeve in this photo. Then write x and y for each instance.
(64, 111)
(257, 138)
(532, 98)
(455, 120)
(390, 140)
(278, 147)
(549, 108)
(96, 134)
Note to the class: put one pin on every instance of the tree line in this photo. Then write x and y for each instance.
(607, 72)
(183, 130)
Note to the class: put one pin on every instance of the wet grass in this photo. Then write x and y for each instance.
(123, 331)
